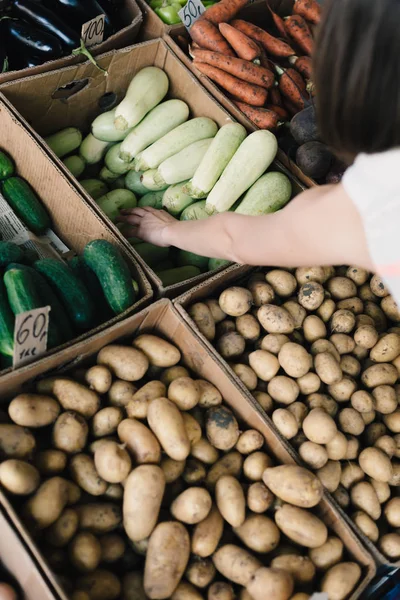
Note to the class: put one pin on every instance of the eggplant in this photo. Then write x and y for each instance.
(3, 58)
(26, 39)
(78, 12)
(37, 14)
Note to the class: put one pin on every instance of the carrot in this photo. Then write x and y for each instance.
(278, 22)
(262, 117)
(279, 110)
(224, 11)
(291, 108)
(271, 44)
(206, 35)
(183, 43)
(238, 67)
(298, 30)
(246, 92)
(244, 46)
(308, 9)
(290, 89)
(303, 65)
(298, 79)
(275, 96)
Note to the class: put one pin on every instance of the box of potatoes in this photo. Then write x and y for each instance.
(319, 350)
(143, 471)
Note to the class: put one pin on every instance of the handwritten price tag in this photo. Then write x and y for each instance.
(93, 31)
(191, 12)
(30, 335)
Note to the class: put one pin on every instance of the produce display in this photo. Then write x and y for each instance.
(137, 481)
(149, 152)
(168, 10)
(319, 349)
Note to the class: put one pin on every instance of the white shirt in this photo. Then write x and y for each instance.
(373, 184)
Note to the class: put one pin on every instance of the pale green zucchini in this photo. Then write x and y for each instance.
(116, 200)
(249, 162)
(182, 166)
(65, 141)
(270, 193)
(195, 212)
(94, 187)
(215, 160)
(153, 199)
(148, 179)
(108, 176)
(93, 150)
(118, 184)
(75, 164)
(114, 163)
(103, 128)
(133, 183)
(175, 200)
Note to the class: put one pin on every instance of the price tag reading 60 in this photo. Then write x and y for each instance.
(30, 335)
(191, 12)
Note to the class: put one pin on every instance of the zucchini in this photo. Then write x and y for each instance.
(217, 263)
(270, 193)
(116, 200)
(7, 321)
(10, 253)
(145, 91)
(114, 162)
(113, 273)
(94, 187)
(93, 150)
(118, 184)
(249, 162)
(148, 179)
(72, 292)
(65, 141)
(26, 205)
(186, 258)
(151, 254)
(89, 279)
(177, 275)
(159, 121)
(165, 265)
(7, 166)
(183, 165)
(108, 176)
(154, 199)
(133, 183)
(173, 142)
(75, 164)
(103, 128)
(195, 212)
(215, 160)
(175, 200)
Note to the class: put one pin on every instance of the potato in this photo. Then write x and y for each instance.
(343, 389)
(207, 533)
(202, 316)
(200, 572)
(114, 491)
(322, 345)
(392, 512)
(74, 396)
(248, 327)
(364, 320)
(378, 287)
(275, 319)
(124, 362)
(309, 383)
(301, 526)
(340, 580)
(264, 364)
(261, 291)
(246, 375)
(235, 301)
(285, 422)
(74, 493)
(366, 336)
(255, 465)
(204, 451)
(314, 328)
(294, 484)
(222, 428)
(167, 423)
(19, 477)
(112, 462)
(259, 497)
(373, 432)
(70, 432)
(33, 410)
(342, 321)
(390, 308)
(138, 404)
(84, 473)
(100, 585)
(381, 374)
(217, 313)
(341, 288)
(327, 555)
(184, 392)
(342, 497)
(355, 305)
(264, 400)
(99, 518)
(376, 464)
(85, 552)
(141, 443)
(231, 345)
(350, 366)
(99, 379)
(48, 502)
(250, 441)
(186, 591)
(358, 275)
(60, 533)
(382, 490)
(330, 474)
(277, 580)
(326, 310)
(236, 564)
(363, 496)
(387, 444)
(344, 344)
(158, 352)
(112, 547)
(294, 359)
(306, 274)
(209, 395)
(319, 427)
(373, 310)
(15, 442)
(323, 401)
(230, 500)
(192, 506)
(386, 349)
(106, 421)
(314, 455)
(173, 469)
(283, 389)
(230, 464)
(166, 560)
(362, 401)
(194, 472)
(297, 312)
(144, 490)
(327, 368)
(351, 473)
(392, 421)
(259, 533)
(350, 421)
(389, 544)
(168, 376)
(192, 427)
(273, 342)
(283, 283)
(336, 449)
(301, 568)
(220, 591)
(50, 462)
(311, 295)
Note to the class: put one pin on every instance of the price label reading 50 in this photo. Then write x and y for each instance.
(191, 12)
(30, 335)
(93, 31)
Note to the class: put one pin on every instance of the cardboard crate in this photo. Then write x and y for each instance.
(72, 218)
(163, 319)
(85, 85)
(130, 19)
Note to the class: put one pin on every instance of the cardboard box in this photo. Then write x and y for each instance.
(163, 319)
(130, 20)
(73, 219)
(35, 99)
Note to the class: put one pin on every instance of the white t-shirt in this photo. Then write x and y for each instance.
(373, 184)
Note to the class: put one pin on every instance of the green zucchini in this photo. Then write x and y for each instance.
(7, 166)
(154, 199)
(270, 193)
(65, 141)
(94, 187)
(177, 275)
(75, 165)
(114, 162)
(10, 253)
(186, 258)
(175, 200)
(103, 128)
(89, 279)
(26, 205)
(151, 254)
(217, 263)
(73, 293)
(183, 165)
(6, 323)
(108, 176)
(92, 150)
(116, 200)
(118, 184)
(195, 212)
(112, 272)
(133, 182)
(148, 179)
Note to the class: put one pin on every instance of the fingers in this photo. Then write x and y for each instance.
(130, 219)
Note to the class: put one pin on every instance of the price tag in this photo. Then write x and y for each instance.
(93, 31)
(191, 12)
(30, 335)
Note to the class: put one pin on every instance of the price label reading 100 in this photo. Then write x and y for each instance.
(93, 31)
(30, 335)
(191, 12)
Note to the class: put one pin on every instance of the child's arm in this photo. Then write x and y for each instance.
(320, 226)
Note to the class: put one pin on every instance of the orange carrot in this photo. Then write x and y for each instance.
(298, 30)
(224, 11)
(271, 44)
(206, 35)
(297, 78)
(275, 96)
(244, 46)
(278, 21)
(262, 117)
(183, 43)
(303, 65)
(308, 9)
(238, 67)
(246, 92)
(289, 88)
(279, 110)
(291, 108)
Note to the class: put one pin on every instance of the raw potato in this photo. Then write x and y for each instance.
(320, 346)
(112, 547)
(367, 525)
(355, 305)
(309, 383)
(342, 288)
(186, 591)
(159, 352)
(201, 315)
(294, 484)
(382, 490)
(301, 526)
(330, 474)
(221, 427)
(264, 400)
(351, 473)
(209, 395)
(106, 421)
(327, 368)
(343, 389)
(381, 374)
(166, 560)
(259, 497)
(217, 313)
(144, 490)
(140, 442)
(207, 534)
(99, 379)
(389, 544)
(319, 427)
(311, 295)
(229, 464)
(100, 585)
(363, 496)
(112, 462)
(366, 336)
(230, 500)
(193, 428)
(376, 464)
(261, 291)
(138, 404)
(184, 393)
(350, 421)
(248, 327)
(250, 441)
(75, 396)
(314, 455)
(306, 274)
(299, 410)
(301, 568)
(50, 462)
(125, 363)
(279, 584)
(323, 401)
(283, 389)
(172, 373)
(120, 393)
(358, 275)
(246, 375)
(362, 401)
(15, 441)
(259, 533)
(327, 555)
(392, 421)
(392, 512)
(61, 532)
(194, 472)
(192, 506)
(33, 410)
(236, 301)
(297, 312)
(220, 591)
(84, 473)
(313, 328)
(341, 580)
(386, 349)
(173, 469)
(350, 366)
(384, 399)
(345, 344)
(273, 342)
(390, 308)
(231, 345)
(283, 283)
(336, 449)
(236, 564)
(200, 572)
(285, 422)
(255, 465)
(45, 507)
(275, 319)
(19, 477)
(99, 518)
(85, 552)
(132, 586)
(70, 432)
(204, 451)
(378, 287)
(264, 364)
(374, 431)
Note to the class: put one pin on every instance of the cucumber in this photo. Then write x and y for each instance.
(186, 258)
(270, 193)
(133, 182)
(6, 323)
(177, 275)
(154, 199)
(75, 165)
(94, 187)
(112, 272)
(183, 165)
(65, 141)
(151, 254)
(10, 253)
(103, 128)
(6, 362)
(195, 212)
(89, 279)
(217, 263)
(72, 292)
(7, 166)
(26, 205)
(114, 163)
(175, 200)
(92, 150)
(116, 200)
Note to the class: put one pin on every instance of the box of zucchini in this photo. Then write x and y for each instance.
(43, 221)
(143, 472)
(165, 144)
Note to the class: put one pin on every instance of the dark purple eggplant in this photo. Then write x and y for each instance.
(78, 12)
(26, 39)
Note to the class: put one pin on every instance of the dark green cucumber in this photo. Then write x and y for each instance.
(7, 167)
(6, 323)
(26, 205)
(71, 291)
(10, 253)
(112, 272)
(86, 275)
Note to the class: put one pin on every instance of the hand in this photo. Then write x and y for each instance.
(7, 592)
(148, 224)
